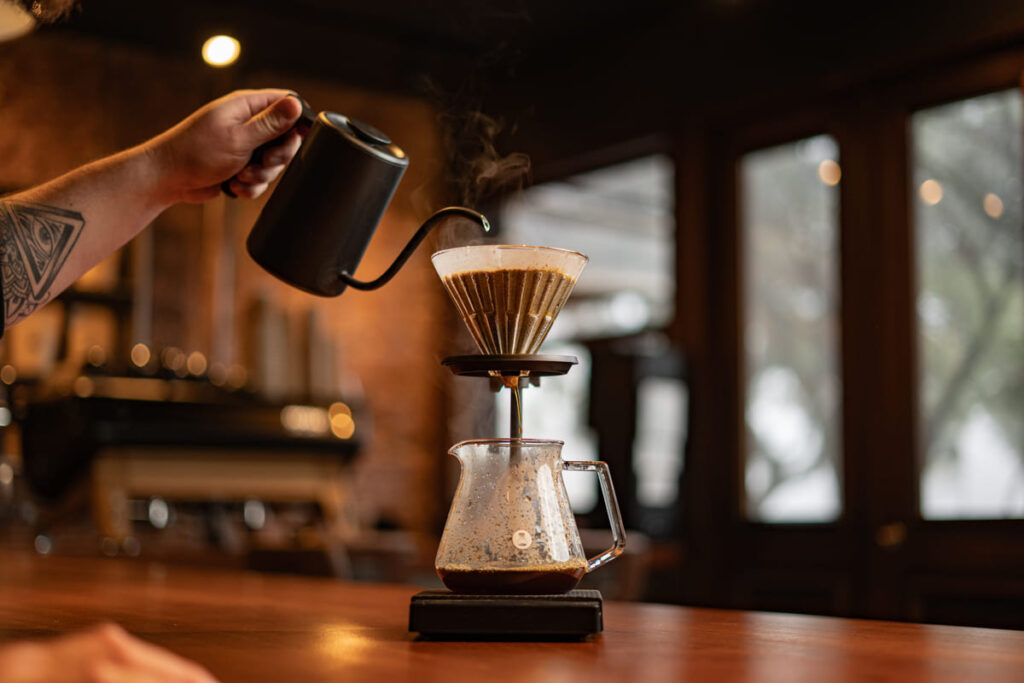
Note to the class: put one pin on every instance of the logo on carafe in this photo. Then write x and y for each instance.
(522, 539)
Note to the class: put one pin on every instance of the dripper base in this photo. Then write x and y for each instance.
(515, 371)
(509, 365)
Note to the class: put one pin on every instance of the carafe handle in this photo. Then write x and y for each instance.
(611, 504)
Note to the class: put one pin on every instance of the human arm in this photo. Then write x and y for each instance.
(102, 654)
(53, 233)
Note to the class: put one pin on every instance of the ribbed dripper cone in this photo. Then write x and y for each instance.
(508, 295)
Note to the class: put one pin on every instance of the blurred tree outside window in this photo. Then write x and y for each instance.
(789, 213)
(970, 306)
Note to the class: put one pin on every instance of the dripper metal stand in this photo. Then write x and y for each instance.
(445, 615)
(514, 372)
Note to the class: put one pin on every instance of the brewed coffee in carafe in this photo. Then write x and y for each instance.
(510, 528)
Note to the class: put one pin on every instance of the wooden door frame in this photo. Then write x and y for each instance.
(938, 559)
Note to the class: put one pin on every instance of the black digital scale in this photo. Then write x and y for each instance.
(444, 615)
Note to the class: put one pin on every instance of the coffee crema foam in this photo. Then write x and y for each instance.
(509, 310)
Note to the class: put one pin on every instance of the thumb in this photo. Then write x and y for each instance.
(273, 122)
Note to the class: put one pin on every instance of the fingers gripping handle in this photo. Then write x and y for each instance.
(611, 504)
(303, 124)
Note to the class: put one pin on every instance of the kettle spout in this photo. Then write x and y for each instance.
(420, 235)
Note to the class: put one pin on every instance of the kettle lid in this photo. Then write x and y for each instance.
(367, 137)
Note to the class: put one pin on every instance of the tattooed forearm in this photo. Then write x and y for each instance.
(35, 241)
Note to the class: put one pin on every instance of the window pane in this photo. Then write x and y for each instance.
(622, 217)
(557, 409)
(970, 306)
(790, 202)
(658, 445)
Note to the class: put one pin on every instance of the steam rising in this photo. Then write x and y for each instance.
(48, 11)
(478, 172)
(478, 176)
(459, 231)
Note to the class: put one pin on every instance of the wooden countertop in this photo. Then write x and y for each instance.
(252, 627)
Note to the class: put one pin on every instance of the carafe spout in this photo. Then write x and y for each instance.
(420, 235)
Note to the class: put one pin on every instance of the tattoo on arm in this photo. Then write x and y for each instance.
(35, 241)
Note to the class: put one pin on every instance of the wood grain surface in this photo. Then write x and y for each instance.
(252, 627)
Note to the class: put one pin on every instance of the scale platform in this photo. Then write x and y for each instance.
(443, 615)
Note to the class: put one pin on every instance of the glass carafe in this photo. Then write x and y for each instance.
(510, 528)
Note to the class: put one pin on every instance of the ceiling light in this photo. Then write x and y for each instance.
(221, 50)
(931, 192)
(829, 172)
(993, 205)
(14, 21)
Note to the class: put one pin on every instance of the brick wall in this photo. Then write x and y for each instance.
(65, 101)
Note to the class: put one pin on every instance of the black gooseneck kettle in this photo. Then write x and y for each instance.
(317, 224)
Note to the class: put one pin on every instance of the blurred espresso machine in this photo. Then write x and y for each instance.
(141, 437)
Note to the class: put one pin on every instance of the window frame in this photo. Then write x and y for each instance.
(880, 559)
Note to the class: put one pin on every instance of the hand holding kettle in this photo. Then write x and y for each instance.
(217, 141)
(317, 224)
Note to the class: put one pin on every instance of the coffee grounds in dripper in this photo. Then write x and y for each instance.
(509, 310)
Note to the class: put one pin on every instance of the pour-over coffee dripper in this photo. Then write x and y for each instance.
(510, 529)
(509, 295)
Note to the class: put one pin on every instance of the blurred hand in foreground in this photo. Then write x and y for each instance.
(103, 654)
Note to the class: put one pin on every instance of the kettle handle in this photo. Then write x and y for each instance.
(305, 121)
(420, 235)
(611, 504)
